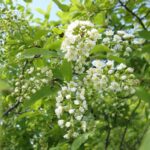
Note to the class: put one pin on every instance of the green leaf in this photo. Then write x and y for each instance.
(145, 34)
(3, 85)
(117, 59)
(66, 70)
(143, 94)
(43, 92)
(79, 141)
(32, 52)
(39, 10)
(39, 33)
(57, 30)
(63, 7)
(146, 142)
(146, 48)
(48, 10)
(27, 114)
(99, 19)
(28, 1)
(99, 49)
(54, 45)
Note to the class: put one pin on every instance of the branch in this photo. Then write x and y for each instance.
(133, 14)
(146, 15)
(107, 141)
(126, 128)
(138, 141)
(18, 102)
(11, 108)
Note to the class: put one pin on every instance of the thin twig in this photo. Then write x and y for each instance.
(133, 14)
(138, 141)
(126, 128)
(107, 141)
(18, 102)
(11, 108)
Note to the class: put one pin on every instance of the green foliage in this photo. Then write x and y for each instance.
(79, 141)
(35, 70)
(66, 70)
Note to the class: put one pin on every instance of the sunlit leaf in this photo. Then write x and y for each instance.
(145, 34)
(66, 70)
(4, 85)
(79, 141)
(99, 49)
(37, 52)
(117, 59)
(143, 94)
(63, 7)
(145, 143)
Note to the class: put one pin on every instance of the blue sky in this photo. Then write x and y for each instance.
(43, 5)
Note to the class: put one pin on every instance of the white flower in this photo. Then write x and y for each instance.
(121, 66)
(120, 32)
(81, 109)
(98, 63)
(76, 102)
(61, 123)
(68, 96)
(30, 70)
(128, 36)
(109, 33)
(68, 124)
(44, 80)
(75, 134)
(59, 111)
(132, 90)
(110, 63)
(84, 126)
(79, 117)
(71, 111)
(110, 71)
(64, 88)
(138, 41)
(114, 86)
(80, 37)
(73, 89)
(128, 49)
(59, 98)
(126, 87)
(16, 90)
(123, 77)
(33, 91)
(117, 38)
(130, 70)
(44, 69)
(66, 136)
(106, 40)
(17, 83)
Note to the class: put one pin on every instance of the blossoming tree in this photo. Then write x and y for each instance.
(79, 83)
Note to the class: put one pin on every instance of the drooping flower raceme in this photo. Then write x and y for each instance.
(104, 88)
(110, 86)
(120, 43)
(80, 38)
(27, 84)
(71, 106)
(105, 77)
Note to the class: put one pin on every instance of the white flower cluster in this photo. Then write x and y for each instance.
(71, 106)
(80, 38)
(110, 86)
(120, 43)
(28, 84)
(105, 77)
